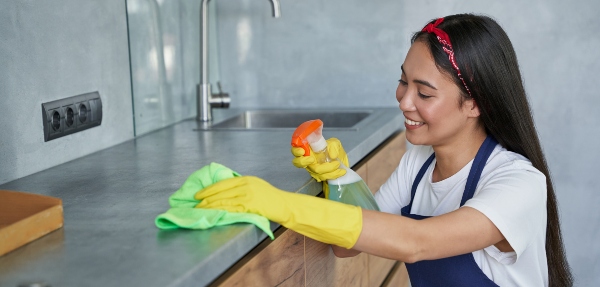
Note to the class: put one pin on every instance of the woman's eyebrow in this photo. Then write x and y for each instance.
(422, 82)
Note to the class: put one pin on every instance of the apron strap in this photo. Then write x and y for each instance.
(477, 168)
(474, 174)
(418, 179)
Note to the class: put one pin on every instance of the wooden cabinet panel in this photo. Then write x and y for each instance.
(361, 169)
(379, 268)
(398, 277)
(324, 269)
(280, 263)
(384, 161)
(379, 166)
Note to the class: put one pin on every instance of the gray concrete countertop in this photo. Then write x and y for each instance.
(111, 198)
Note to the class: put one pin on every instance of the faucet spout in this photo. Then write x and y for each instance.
(206, 100)
(276, 9)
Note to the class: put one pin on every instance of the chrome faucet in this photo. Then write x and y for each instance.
(206, 99)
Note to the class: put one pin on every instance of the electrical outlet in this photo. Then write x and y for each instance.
(70, 115)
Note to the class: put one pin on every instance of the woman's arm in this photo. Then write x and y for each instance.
(401, 238)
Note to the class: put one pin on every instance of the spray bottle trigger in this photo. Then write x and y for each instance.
(300, 135)
(302, 144)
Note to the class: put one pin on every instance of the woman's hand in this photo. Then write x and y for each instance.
(322, 171)
(246, 194)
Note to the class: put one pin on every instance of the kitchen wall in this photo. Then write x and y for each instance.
(348, 53)
(53, 49)
(165, 60)
(318, 54)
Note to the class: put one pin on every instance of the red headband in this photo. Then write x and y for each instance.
(446, 45)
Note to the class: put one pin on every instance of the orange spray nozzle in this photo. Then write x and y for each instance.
(300, 135)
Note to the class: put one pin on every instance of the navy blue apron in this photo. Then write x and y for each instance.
(461, 270)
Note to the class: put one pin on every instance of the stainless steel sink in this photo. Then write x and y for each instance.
(290, 119)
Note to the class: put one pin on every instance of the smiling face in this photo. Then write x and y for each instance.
(430, 101)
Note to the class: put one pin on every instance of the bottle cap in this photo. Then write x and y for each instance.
(300, 137)
(317, 142)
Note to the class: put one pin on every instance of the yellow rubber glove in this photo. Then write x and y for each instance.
(323, 220)
(322, 171)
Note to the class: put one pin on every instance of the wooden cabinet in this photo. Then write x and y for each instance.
(383, 161)
(398, 276)
(324, 269)
(295, 260)
(375, 169)
(273, 263)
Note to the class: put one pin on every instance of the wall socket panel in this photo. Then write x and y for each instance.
(70, 115)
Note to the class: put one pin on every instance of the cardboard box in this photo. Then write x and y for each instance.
(25, 217)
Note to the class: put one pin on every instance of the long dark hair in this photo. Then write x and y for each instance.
(488, 63)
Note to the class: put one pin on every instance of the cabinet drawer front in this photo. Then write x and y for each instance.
(398, 277)
(379, 268)
(280, 263)
(324, 269)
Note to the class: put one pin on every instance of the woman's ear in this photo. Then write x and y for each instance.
(472, 108)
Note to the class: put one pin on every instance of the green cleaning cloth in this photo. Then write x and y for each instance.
(183, 213)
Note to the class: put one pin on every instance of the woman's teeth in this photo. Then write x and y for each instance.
(413, 123)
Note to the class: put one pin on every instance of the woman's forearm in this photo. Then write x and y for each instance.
(385, 235)
(408, 240)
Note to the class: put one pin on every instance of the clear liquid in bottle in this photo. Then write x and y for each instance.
(356, 193)
(350, 188)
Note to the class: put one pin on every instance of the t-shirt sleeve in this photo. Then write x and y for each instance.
(514, 199)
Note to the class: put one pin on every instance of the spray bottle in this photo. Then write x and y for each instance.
(349, 188)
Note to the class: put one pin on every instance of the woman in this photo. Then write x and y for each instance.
(472, 204)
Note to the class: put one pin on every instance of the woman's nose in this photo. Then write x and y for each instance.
(405, 99)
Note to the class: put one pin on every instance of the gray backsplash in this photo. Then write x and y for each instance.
(318, 54)
(164, 41)
(51, 50)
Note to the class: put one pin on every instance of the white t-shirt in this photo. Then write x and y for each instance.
(510, 192)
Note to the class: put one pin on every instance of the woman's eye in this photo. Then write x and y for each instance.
(402, 82)
(424, 96)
